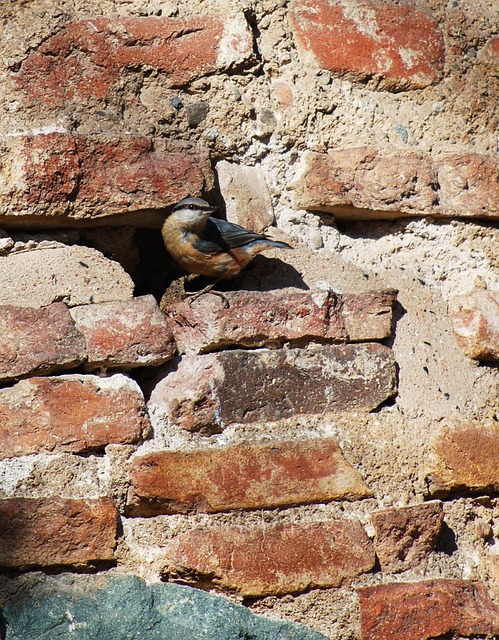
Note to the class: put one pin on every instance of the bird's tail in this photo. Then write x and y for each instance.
(278, 244)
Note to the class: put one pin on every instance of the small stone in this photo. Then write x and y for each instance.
(475, 320)
(196, 113)
(405, 537)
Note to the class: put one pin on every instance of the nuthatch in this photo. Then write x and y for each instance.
(209, 246)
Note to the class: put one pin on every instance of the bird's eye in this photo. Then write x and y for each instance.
(192, 207)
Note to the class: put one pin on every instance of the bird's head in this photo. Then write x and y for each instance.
(192, 210)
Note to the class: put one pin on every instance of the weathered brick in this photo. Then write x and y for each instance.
(85, 59)
(465, 459)
(468, 185)
(70, 413)
(253, 319)
(271, 559)
(475, 319)
(56, 531)
(247, 476)
(125, 335)
(210, 391)
(258, 318)
(38, 341)
(363, 183)
(429, 609)
(405, 537)
(368, 316)
(49, 176)
(70, 274)
(400, 46)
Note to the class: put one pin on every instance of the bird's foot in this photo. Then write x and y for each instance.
(194, 295)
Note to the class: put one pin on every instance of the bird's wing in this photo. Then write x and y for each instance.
(220, 235)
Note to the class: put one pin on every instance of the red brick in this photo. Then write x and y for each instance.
(258, 318)
(368, 316)
(273, 559)
(429, 609)
(363, 183)
(253, 319)
(70, 413)
(400, 46)
(247, 476)
(38, 341)
(85, 59)
(475, 319)
(80, 178)
(360, 183)
(207, 392)
(56, 531)
(405, 537)
(465, 459)
(125, 335)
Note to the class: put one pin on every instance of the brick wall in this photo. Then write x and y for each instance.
(326, 449)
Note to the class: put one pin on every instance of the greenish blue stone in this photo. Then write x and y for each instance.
(73, 607)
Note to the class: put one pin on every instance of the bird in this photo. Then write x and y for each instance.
(208, 246)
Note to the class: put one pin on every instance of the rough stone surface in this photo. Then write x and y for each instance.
(73, 275)
(51, 177)
(259, 318)
(85, 59)
(208, 392)
(70, 413)
(465, 458)
(475, 319)
(364, 183)
(401, 46)
(125, 334)
(405, 537)
(429, 609)
(246, 195)
(126, 608)
(56, 531)
(248, 476)
(271, 559)
(38, 341)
